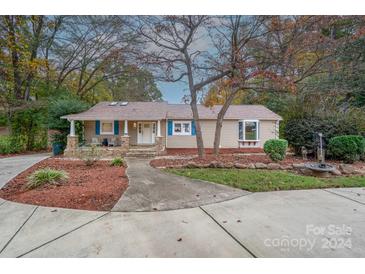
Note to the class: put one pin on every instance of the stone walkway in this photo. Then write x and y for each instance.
(151, 189)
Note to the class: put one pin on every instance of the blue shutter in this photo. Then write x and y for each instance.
(193, 130)
(116, 127)
(169, 127)
(97, 127)
(240, 130)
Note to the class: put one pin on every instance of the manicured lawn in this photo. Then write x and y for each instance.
(265, 180)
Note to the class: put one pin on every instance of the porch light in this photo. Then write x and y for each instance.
(134, 125)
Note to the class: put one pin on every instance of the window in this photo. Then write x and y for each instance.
(248, 130)
(182, 128)
(107, 127)
(153, 128)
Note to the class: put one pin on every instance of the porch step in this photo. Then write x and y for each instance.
(141, 153)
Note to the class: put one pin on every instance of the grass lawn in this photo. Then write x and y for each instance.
(266, 180)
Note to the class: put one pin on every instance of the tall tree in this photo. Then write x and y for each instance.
(90, 50)
(276, 53)
(177, 47)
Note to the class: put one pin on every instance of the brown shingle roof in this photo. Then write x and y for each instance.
(234, 112)
(163, 110)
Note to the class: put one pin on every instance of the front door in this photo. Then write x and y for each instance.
(146, 133)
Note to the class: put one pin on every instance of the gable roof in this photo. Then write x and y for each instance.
(163, 110)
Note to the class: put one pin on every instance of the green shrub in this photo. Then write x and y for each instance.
(118, 162)
(30, 124)
(303, 131)
(46, 176)
(348, 148)
(91, 156)
(9, 144)
(360, 141)
(276, 149)
(60, 107)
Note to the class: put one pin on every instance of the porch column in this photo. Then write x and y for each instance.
(158, 128)
(72, 128)
(72, 142)
(125, 127)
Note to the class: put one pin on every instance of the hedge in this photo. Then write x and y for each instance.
(348, 148)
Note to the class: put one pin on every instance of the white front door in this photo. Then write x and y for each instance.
(146, 132)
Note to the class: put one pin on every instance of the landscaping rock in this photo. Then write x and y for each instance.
(260, 165)
(360, 171)
(228, 165)
(299, 166)
(306, 171)
(240, 166)
(336, 172)
(252, 166)
(347, 169)
(192, 165)
(216, 164)
(286, 167)
(273, 166)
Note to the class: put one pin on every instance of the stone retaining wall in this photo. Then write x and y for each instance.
(341, 169)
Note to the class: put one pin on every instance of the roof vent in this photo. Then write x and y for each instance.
(113, 103)
(123, 103)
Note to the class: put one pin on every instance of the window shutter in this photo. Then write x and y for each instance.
(116, 127)
(193, 130)
(240, 130)
(258, 130)
(97, 127)
(169, 127)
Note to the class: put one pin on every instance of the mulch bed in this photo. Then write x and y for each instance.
(194, 151)
(96, 187)
(235, 158)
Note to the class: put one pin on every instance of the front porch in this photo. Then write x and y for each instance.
(136, 138)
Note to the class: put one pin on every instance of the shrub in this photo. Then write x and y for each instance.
(29, 123)
(276, 149)
(63, 106)
(348, 148)
(360, 141)
(118, 161)
(46, 176)
(9, 144)
(302, 131)
(91, 156)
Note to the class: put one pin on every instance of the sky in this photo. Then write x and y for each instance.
(173, 92)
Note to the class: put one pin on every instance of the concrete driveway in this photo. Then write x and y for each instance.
(304, 223)
(11, 166)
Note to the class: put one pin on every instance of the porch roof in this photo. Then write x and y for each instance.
(150, 111)
(132, 111)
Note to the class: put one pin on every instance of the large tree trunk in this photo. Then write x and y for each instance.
(198, 131)
(194, 107)
(220, 117)
(14, 57)
(33, 56)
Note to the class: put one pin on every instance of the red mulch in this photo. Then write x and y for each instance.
(192, 151)
(232, 158)
(96, 187)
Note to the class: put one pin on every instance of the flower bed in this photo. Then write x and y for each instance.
(96, 187)
(253, 162)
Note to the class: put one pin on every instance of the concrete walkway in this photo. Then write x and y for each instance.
(304, 223)
(151, 189)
